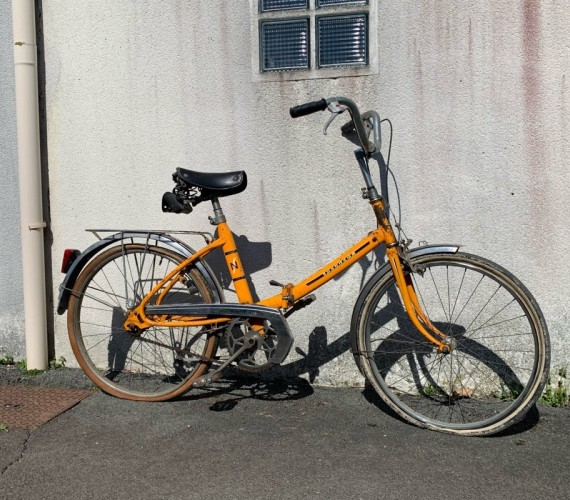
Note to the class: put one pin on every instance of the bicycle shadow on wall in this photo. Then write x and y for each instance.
(319, 350)
(255, 256)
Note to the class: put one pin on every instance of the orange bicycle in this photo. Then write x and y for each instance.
(450, 341)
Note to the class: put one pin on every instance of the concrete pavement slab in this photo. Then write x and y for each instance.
(246, 438)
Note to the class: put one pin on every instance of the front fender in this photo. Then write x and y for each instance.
(379, 275)
(81, 261)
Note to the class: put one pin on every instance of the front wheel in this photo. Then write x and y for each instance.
(156, 364)
(500, 352)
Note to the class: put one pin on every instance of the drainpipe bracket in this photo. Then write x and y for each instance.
(37, 225)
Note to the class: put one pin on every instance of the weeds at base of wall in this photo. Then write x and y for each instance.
(557, 394)
(54, 364)
(7, 360)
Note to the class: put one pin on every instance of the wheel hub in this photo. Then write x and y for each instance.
(449, 345)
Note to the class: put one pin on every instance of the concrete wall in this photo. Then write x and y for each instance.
(11, 289)
(477, 93)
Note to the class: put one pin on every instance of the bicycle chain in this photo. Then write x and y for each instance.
(185, 351)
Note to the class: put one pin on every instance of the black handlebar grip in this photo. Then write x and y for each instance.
(308, 108)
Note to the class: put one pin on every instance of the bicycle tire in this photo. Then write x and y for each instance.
(499, 363)
(157, 364)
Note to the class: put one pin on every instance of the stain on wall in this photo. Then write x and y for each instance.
(476, 91)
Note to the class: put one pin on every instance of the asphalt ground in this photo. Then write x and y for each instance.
(249, 438)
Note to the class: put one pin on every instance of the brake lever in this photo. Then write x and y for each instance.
(336, 109)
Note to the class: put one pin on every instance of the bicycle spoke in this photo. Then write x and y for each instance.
(460, 287)
(481, 383)
(438, 294)
(153, 362)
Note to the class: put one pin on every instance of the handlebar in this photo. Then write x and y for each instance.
(357, 123)
(308, 108)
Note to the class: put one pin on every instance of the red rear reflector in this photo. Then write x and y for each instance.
(69, 256)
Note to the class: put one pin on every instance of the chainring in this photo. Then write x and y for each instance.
(255, 359)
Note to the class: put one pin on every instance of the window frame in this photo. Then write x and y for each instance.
(370, 8)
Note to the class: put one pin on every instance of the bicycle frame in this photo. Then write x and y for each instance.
(481, 376)
(290, 293)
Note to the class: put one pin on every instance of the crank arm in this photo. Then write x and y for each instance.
(207, 379)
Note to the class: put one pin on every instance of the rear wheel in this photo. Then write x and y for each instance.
(499, 359)
(156, 364)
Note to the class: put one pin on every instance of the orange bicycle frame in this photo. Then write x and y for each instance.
(290, 293)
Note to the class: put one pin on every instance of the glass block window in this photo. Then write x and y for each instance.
(269, 5)
(327, 3)
(342, 40)
(284, 45)
(309, 39)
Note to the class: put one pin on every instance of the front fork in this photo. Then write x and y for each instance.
(405, 284)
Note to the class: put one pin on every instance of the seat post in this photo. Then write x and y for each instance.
(219, 216)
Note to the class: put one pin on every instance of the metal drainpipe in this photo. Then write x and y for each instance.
(32, 220)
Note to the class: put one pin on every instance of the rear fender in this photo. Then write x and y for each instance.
(379, 275)
(179, 246)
